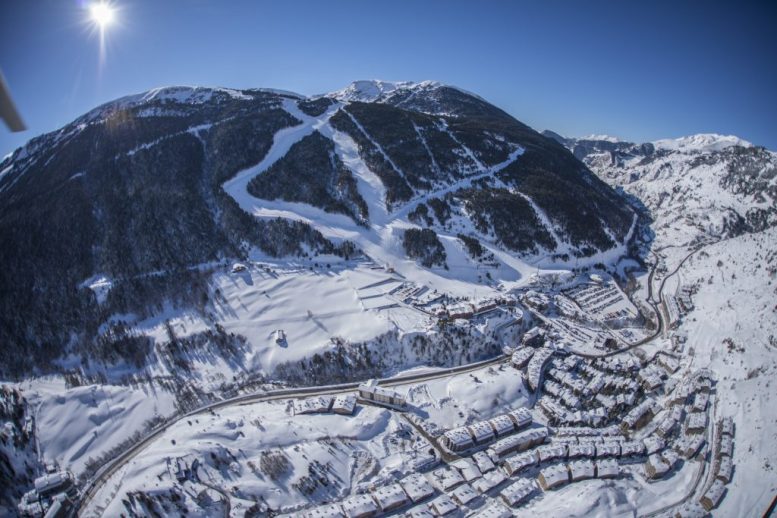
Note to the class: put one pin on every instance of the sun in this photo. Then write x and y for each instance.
(102, 14)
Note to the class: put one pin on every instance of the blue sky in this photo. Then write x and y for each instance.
(637, 70)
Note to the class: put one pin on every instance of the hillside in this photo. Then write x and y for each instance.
(126, 213)
(702, 187)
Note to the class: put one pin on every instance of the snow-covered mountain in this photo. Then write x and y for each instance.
(177, 248)
(704, 186)
(126, 209)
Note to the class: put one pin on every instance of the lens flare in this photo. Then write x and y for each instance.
(102, 14)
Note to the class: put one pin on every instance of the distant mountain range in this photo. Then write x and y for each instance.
(704, 186)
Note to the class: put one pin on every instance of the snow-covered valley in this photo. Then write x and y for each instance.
(251, 401)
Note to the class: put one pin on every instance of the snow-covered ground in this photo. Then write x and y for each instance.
(737, 284)
(321, 302)
(82, 423)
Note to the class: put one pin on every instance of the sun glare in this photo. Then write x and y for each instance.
(101, 14)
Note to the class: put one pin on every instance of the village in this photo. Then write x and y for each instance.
(598, 408)
(594, 416)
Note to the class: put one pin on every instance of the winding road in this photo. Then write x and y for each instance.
(109, 469)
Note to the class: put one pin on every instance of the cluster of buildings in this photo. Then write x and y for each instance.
(596, 297)
(375, 394)
(723, 466)
(411, 490)
(342, 404)
(536, 300)
(468, 309)
(536, 365)
(484, 432)
(577, 392)
(52, 496)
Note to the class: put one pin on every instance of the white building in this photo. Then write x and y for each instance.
(653, 444)
(696, 422)
(360, 506)
(325, 511)
(468, 469)
(607, 468)
(582, 450)
(443, 505)
(313, 405)
(494, 510)
(656, 466)
(481, 432)
(458, 439)
(463, 494)
(502, 425)
(521, 417)
(713, 496)
(483, 462)
(725, 469)
(553, 476)
(344, 404)
(446, 478)
(551, 452)
(517, 492)
(370, 391)
(517, 463)
(582, 470)
(488, 481)
(417, 487)
(608, 449)
(390, 497)
(518, 442)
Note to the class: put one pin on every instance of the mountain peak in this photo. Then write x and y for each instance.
(701, 142)
(370, 90)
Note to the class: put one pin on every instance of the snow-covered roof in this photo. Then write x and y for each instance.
(464, 494)
(725, 468)
(390, 497)
(582, 469)
(518, 463)
(446, 478)
(653, 443)
(52, 480)
(629, 448)
(696, 421)
(315, 404)
(552, 452)
(481, 431)
(344, 403)
(494, 510)
(657, 465)
(608, 449)
(555, 475)
(516, 492)
(726, 446)
(582, 450)
(727, 426)
(715, 493)
(359, 505)
(521, 416)
(518, 441)
(483, 461)
(607, 468)
(458, 436)
(325, 511)
(488, 481)
(417, 487)
(502, 425)
(467, 468)
(443, 505)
